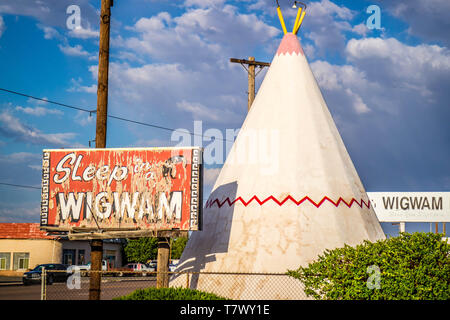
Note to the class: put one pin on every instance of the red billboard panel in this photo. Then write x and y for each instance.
(144, 188)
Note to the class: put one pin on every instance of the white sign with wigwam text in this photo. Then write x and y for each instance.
(411, 206)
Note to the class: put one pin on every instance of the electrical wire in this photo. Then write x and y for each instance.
(48, 101)
(109, 116)
(19, 185)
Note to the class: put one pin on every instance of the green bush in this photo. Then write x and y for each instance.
(170, 294)
(410, 266)
(144, 249)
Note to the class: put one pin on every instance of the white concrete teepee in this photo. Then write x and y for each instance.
(287, 191)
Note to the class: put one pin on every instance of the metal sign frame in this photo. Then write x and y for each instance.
(122, 192)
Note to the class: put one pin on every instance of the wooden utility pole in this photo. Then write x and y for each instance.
(162, 274)
(95, 278)
(103, 67)
(251, 82)
(252, 64)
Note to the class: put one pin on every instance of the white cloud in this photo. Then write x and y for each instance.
(426, 19)
(50, 12)
(210, 175)
(199, 37)
(2, 26)
(18, 214)
(76, 51)
(12, 127)
(162, 89)
(179, 65)
(309, 50)
(326, 75)
(77, 87)
(325, 8)
(138, 82)
(343, 81)
(35, 167)
(197, 110)
(84, 33)
(387, 75)
(83, 118)
(149, 143)
(20, 157)
(390, 103)
(37, 102)
(49, 32)
(79, 33)
(38, 111)
(358, 104)
(405, 56)
(204, 3)
(360, 29)
(325, 25)
(419, 71)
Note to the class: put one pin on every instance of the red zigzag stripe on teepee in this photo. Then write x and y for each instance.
(210, 203)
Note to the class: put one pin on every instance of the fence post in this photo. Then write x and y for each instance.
(187, 280)
(43, 284)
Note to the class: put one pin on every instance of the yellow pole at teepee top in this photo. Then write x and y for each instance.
(299, 23)
(280, 16)
(298, 20)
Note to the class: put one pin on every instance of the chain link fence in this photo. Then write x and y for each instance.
(62, 285)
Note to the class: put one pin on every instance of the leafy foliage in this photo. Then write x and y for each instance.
(144, 249)
(170, 294)
(411, 266)
(141, 250)
(178, 246)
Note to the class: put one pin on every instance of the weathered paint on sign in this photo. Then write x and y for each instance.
(146, 188)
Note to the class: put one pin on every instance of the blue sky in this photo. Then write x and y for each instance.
(387, 89)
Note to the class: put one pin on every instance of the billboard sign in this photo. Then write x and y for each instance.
(142, 188)
(411, 206)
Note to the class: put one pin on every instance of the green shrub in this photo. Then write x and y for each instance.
(170, 294)
(141, 249)
(410, 266)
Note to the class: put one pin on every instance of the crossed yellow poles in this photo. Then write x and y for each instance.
(298, 20)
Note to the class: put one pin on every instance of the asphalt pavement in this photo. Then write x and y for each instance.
(111, 287)
(10, 280)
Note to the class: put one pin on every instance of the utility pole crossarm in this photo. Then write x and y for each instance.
(251, 74)
(249, 62)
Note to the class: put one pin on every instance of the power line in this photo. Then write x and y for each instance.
(145, 124)
(46, 100)
(109, 116)
(19, 185)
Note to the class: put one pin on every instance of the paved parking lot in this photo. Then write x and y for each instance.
(111, 287)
